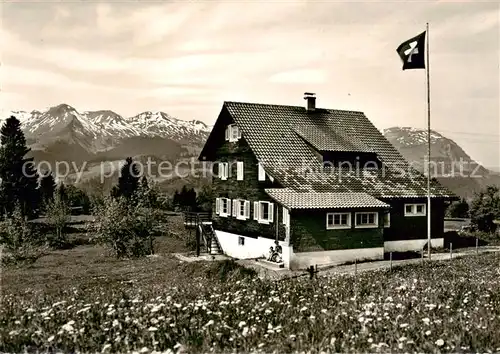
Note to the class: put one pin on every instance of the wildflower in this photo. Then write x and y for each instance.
(303, 309)
(428, 333)
(106, 346)
(245, 332)
(426, 320)
(12, 333)
(440, 342)
(144, 350)
(152, 329)
(209, 323)
(324, 311)
(50, 339)
(403, 325)
(241, 324)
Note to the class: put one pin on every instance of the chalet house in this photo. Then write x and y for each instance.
(324, 183)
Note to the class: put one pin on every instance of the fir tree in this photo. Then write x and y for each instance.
(19, 178)
(128, 182)
(47, 188)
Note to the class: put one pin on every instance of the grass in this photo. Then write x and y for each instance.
(82, 299)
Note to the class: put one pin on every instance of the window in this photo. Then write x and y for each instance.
(387, 219)
(338, 220)
(263, 212)
(223, 172)
(233, 133)
(223, 206)
(241, 209)
(239, 170)
(262, 173)
(286, 216)
(366, 220)
(414, 209)
(241, 241)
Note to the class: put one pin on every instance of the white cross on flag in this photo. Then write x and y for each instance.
(411, 52)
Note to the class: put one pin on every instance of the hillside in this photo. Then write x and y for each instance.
(450, 164)
(87, 140)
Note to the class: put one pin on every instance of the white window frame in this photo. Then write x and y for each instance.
(262, 172)
(387, 219)
(233, 133)
(414, 209)
(238, 206)
(334, 226)
(227, 201)
(257, 212)
(239, 170)
(366, 226)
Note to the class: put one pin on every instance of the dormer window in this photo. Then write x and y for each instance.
(232, 133)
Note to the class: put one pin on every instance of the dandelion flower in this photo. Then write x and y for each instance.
(50, 339)
(440, 342)
(428, 333)
(152, 329)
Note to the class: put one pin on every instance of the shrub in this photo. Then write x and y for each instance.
(127, 228)
(58, 216)
(15, 230)
(485, 209)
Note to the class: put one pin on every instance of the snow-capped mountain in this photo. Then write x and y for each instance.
(451, 165)
(97, 131)
(163, 125)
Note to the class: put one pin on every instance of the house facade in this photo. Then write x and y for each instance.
(325, 184)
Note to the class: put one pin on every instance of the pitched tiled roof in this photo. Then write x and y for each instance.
(279, 136)
(327, 200)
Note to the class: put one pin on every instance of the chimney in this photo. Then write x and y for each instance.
(311, 101)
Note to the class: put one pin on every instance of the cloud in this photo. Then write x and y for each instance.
(304, 76)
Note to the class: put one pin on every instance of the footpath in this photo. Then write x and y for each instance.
(332, 270)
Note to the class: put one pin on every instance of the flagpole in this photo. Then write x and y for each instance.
(428, 149)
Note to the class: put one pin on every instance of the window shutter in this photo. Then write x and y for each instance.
(229, 207)
(239, 133)
(220, 170)
(228, 131)
(247, 209)
(223, 172)
(285, 215)
(239, 170)
(217, 206)
(256, 210)
(262, 173)
(235, 207)
(271, 211)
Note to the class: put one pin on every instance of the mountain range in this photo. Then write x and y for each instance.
(450, 164)
(62, 133)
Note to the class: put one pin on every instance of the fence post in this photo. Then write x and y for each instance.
(390, 257)
(477, 245)
(198, 236)
(355, 267)
(422, 256)
(451, 250)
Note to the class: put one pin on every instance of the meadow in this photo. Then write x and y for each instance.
(83, 300)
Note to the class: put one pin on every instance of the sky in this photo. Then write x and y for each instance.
(187, 58)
